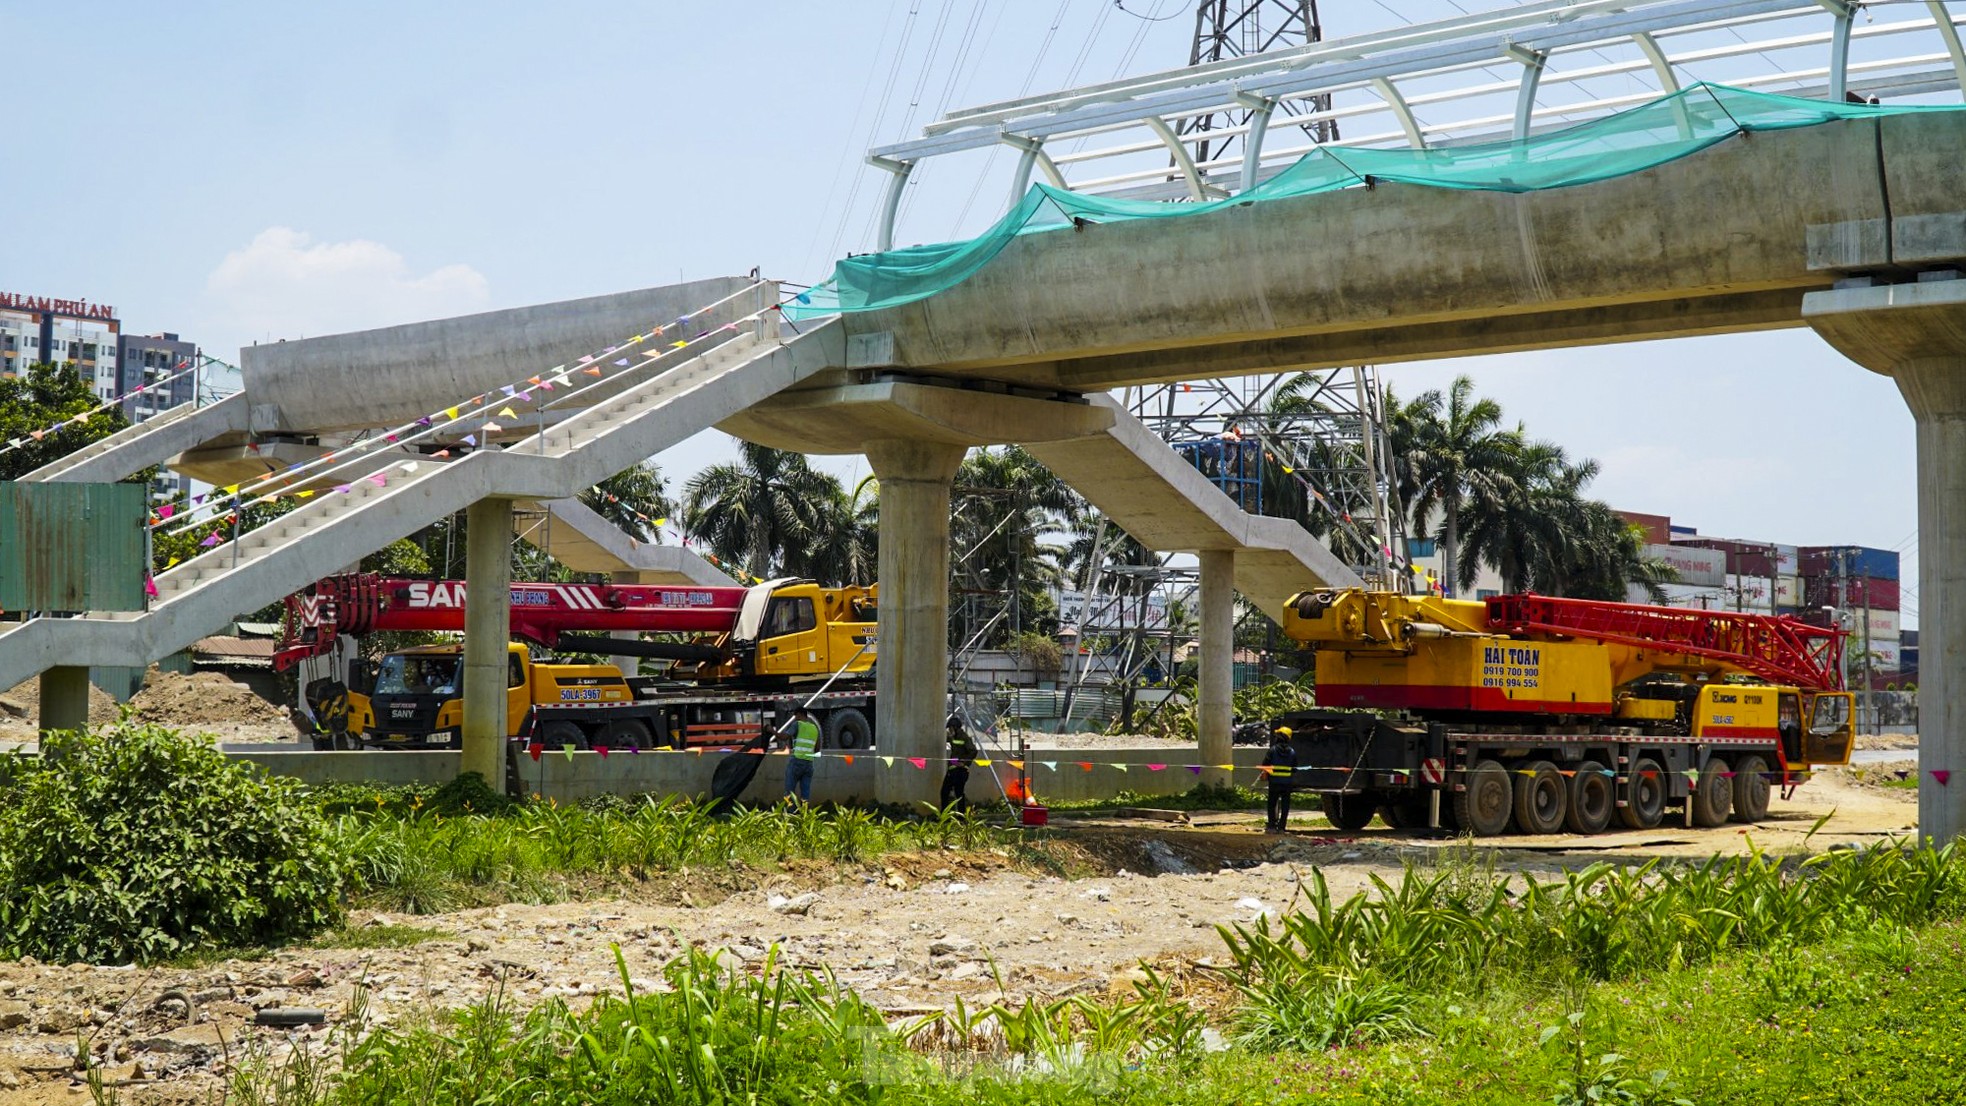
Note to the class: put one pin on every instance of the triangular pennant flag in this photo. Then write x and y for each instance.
(592, 372)
(37, 435)
(532, 380)
(451, 411)
(1226, 767)
(1942, 775)
(887, 762)
(603, 750)
(623, 362)
(568, 750)
(470, 439)
(1117, 767)
(1017, 764)
(173, 562)
(535, 749)
(980, 762)
(424, 421)
(1193, 768)
(379, 480)
(508, 412)
(150, 587)
(166, 511)
(1693, 775)
(1085, 765)
(679, 345)
(1049, 765)
(302, 495)
(344, 488)
(1156, 767)
(492, 428)
(406, 467)
(507, 389)
(848, 758)
(919, 762)
(210, 540)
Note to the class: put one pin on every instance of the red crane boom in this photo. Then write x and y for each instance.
(1777, 648)
(359, 603)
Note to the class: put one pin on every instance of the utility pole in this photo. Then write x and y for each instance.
(1236, 29)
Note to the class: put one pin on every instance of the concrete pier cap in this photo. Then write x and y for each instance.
(1915, 333)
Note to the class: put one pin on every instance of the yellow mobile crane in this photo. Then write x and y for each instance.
(1547, 714)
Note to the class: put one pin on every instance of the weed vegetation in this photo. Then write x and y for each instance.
(137, 843)
(1831, 980)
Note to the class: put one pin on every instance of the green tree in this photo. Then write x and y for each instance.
(44, 400)
(846, 547)
(765, 512)
(1452, 454)
(632, 499)
(1004, 504)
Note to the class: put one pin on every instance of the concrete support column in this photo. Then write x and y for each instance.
(1217, 663)
(65, 698)
(1935, 388)
(487, 632)
(912, 674)
(1916, 334)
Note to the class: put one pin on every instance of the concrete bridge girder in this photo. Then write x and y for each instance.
(1727, 240)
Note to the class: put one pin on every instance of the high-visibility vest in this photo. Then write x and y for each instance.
(805, 740)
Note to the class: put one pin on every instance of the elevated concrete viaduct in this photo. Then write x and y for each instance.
(1733, 238)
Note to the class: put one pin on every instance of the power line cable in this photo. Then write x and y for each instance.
(849, 157)
(880, 115)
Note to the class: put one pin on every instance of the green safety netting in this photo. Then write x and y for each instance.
(1630, 141)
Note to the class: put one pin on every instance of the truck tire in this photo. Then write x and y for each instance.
(626, 733)
(1406, 813)
(1347, 812)
(847, 728)
(1713, 795)
(1541, 798)
(560, 734)
(1483, 807)
(1590, 799)
(1645, 795)
(1750, 789)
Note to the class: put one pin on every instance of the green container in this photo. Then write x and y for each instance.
(73, 547)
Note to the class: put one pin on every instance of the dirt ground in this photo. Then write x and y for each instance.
(208, 702)
(910, 935)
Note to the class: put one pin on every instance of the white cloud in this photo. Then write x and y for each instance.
(286, 285)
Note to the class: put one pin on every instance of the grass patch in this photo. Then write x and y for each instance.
(1203, 797)
(380, 937)
(1834, 980)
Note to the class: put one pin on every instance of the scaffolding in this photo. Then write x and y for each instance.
(1310, 446)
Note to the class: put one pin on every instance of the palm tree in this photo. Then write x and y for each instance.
(1454, 455)
(764, 512)
(846, 545)
(1004, 502)
(634, 500)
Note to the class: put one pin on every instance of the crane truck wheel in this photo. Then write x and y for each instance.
(847, 728)
(1541, 798)
(1347, 812)
(1483, 808)
(1645, 796)
(1590, 799)
(1750, 789)
(627, 733)
(1407, 813)
(559, 735)
(1713, 795)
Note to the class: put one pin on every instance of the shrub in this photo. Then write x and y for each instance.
(137, 842)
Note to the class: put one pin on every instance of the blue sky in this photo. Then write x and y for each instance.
(248, 171)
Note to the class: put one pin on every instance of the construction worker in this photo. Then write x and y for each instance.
(1278, 765)
(805, 750)
(962, 754)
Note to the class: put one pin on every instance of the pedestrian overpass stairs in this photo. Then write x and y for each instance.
(1152, 493)
(151, 442)
(380, 504)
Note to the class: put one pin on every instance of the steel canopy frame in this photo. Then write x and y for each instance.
(1433, 62)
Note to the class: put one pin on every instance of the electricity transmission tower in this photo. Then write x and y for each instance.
(1239, 28)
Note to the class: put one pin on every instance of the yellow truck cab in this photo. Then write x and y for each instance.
(417, 699)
